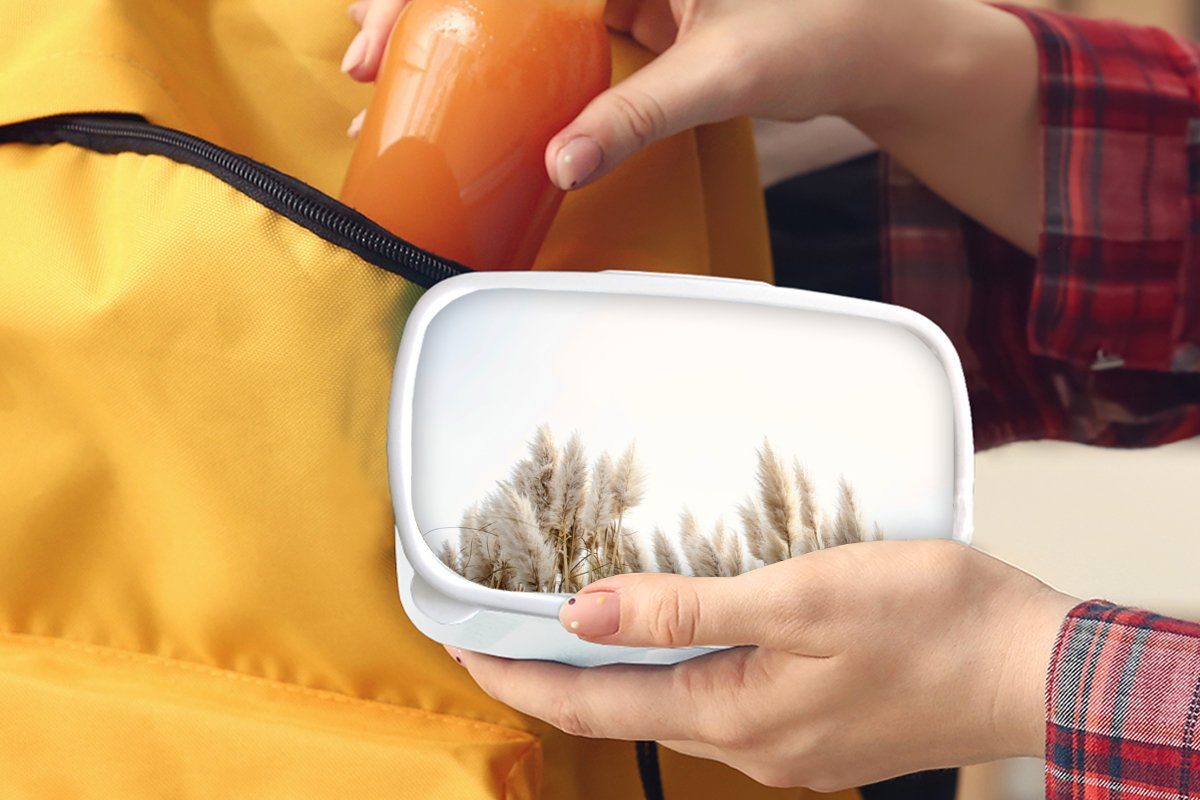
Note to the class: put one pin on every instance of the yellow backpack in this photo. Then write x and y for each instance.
(197, 587)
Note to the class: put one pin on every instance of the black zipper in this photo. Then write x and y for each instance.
(318, 212)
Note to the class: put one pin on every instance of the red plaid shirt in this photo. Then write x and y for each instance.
(1096, 340)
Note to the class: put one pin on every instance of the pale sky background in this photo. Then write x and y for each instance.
(697, 384)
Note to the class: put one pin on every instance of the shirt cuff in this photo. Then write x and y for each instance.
(1119, 115)
(1123, 703)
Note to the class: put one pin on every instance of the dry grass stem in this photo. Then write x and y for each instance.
(557, 525)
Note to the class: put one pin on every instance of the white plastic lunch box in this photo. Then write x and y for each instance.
(699, 377)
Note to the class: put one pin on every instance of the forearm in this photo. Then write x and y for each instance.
(953, 96)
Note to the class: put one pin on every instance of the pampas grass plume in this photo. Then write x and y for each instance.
(664, 554)
(849, 525)
(728, 546)
(522, 545)
(631, 553)
(699, 552)
(449, 556)
(536, 477)
(809, 514)
(628, 483)
(555, 525)
(781, 505)
(569, 488)
(601, 504)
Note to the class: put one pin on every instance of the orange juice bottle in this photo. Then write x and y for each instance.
(451, 155)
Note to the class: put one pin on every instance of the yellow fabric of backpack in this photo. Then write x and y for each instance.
(197, 587)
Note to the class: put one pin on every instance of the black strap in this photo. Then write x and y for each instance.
(937, 785)
(648, 769)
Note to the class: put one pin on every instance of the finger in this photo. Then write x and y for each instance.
(358, 11)
(366, 50)
(354, 54)
(682, 88)
(654, 27)
(656, 610)
(356, 124)
(618, 702)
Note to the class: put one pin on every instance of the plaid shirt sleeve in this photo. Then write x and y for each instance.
(1124, 707)
(1097, 338)
(1118, 281)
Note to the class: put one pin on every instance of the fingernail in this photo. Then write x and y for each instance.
(356, 52)
(454, 652)
(577, 161)
(592, 614)
(356, 124)
(357, 11)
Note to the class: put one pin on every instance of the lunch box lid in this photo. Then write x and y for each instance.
(930, 375)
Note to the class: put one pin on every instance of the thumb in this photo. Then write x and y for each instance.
(658, 610)
(678, 90)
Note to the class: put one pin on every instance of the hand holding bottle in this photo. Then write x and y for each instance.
(948, 87)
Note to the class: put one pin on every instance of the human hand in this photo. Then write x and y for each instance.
(947, 87)
(718, 59)
(851, 665)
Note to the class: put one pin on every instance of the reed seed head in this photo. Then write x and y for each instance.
(664, 554)
(780, 502)
(697, 549)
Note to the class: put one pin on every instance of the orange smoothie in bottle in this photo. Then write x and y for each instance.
(451, 155)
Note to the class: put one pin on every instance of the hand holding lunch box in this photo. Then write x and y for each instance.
(557, 438)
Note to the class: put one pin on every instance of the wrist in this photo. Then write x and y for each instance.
(1020, 704)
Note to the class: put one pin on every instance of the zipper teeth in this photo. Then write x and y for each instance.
(393, 249)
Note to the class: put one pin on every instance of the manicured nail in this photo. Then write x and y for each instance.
(454, 652)
(356, 53)
(356, 124)
(577, 161)
(592, 614)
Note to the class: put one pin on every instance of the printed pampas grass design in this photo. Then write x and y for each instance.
(522, 547)
(780, 500)
(600, 509)
(698, 549)
(664, 554)
(557, 524)
(810, 526)
(848, 525)
(567, 496)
